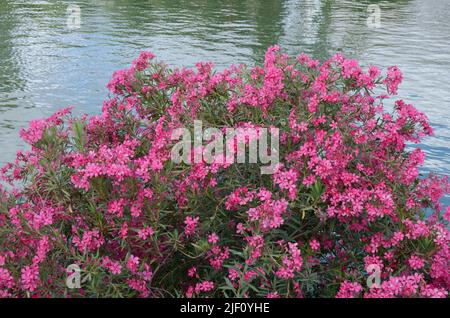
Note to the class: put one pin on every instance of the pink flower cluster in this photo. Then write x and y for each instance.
(347, 196)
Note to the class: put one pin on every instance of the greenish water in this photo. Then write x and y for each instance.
(45, 65)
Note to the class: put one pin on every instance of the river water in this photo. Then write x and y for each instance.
(55, 54)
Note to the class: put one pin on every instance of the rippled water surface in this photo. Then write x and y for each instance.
(45, 65)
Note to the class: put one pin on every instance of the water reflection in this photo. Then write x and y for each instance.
(44, 65)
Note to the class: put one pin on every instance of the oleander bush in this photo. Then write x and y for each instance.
(345, 203)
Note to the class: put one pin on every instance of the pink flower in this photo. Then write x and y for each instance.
(213, 238)
(192, 272)
(145, 232)
(6, 279)
(287, 180)
(400, 286)
(349, 290)
(123, 231)
(269, 213)
(141, 62)
(446, 215)
(217, 255)
(147, 273)
(204, 286)
(433, 292)
(43, 247)
(393, 79)
(30, 277)
(139, 285)
(350, 68)
(292, 263)
(113, 266)
(90, 241)
(256, 245)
